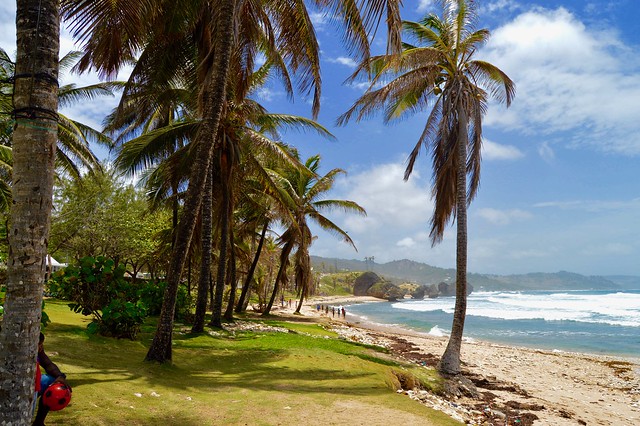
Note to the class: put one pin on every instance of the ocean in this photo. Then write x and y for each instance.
(597, 322)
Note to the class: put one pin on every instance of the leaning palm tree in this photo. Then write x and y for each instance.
(306, 189)
(440, 73)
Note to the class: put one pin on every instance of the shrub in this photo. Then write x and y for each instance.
(122, 319)
(152, 295)
(96, 287)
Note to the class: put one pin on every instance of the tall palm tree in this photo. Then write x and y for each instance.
(113, 36)
(442, 74)
(35, 105)
(306, 189)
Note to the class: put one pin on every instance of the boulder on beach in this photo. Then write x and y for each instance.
(371, 284)
(364, 282)
(386, 290)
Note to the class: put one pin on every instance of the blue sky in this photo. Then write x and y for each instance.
(559, 186)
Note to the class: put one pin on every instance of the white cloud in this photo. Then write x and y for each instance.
(495, 151)
(569, 78)
(388, 199)
(592, 205)
(319, 19)
(425, 6)
(343, 60)
(503, 217)
(546, 152)
(397, 222)
(497, 5)
(406, 242)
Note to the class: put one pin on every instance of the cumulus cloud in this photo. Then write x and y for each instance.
(388, 199)
(397, 222)
(343, 60)
(495, 151)
(569, 77)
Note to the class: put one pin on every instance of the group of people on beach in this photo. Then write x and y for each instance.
(334, 310)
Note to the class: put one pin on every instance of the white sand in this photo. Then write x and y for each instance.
(573, 388)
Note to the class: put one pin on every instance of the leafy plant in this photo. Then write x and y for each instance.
(96, 287)
(152, 294)
(122, 319)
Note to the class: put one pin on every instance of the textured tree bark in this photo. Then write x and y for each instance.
(233, 280)
(216, 308)
(160, 349)
(252, 269)
(34, 145)
(450, 361)
(286, 251)
(205, 269)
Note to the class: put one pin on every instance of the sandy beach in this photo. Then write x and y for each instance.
(508, 385)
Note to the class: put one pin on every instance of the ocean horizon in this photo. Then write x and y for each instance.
(597, 322)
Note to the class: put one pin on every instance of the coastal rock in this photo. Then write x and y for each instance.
(364, 282)
(371, 284)
(387, 291)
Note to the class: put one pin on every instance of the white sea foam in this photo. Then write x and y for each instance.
(590, 307)
(436, 331)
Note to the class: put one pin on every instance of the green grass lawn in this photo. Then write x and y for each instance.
(305, 376)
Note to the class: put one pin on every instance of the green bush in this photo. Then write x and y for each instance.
(152, 295)
(96, 287)
(122, 319)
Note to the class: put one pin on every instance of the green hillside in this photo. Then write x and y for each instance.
(408, 270)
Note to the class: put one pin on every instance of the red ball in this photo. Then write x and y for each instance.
(57, 396)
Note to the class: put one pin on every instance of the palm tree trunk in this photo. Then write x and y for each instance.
(34, 146)
(284, 256)
(252, 269)
(450, 361)
(160, 349)
(303, 266)
(233, 281)
(216, 309)
(205, 269)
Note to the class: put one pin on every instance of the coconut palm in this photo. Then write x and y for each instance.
(306, 189)
(113, 35)
(35, 105)
(441, 73)
(73, 154)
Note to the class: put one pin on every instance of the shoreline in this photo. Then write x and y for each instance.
(556, 387)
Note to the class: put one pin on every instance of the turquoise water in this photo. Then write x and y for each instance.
(598, 322)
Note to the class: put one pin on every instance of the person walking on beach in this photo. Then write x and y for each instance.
(344, 313)
(333, 311)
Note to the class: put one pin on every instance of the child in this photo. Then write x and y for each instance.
(44, 381)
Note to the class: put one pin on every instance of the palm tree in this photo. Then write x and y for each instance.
(113, 36)
(306, 189)
(35, 105)
(442, 74)
(74, 154)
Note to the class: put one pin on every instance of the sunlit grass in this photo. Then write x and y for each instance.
(252, 378)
